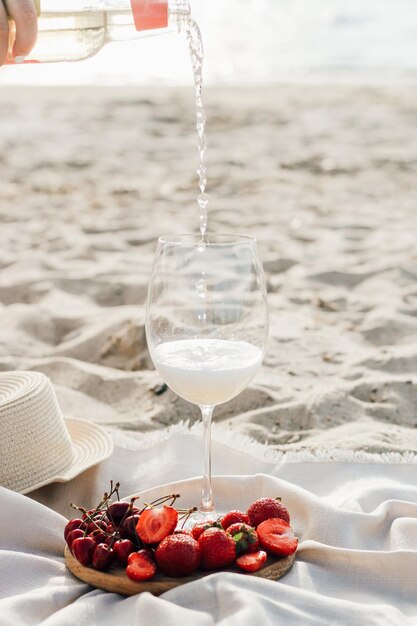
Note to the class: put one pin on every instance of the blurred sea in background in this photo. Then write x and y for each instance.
(258, 42)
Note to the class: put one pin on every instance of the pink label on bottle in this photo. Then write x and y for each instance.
(150, 14)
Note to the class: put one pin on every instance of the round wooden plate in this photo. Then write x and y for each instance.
(115, 578)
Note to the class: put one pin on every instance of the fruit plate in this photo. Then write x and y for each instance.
(116, 580)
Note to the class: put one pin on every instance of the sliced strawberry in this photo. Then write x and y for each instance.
(252, 562)
(277, 537)
(233, 517)
(140, 566)
(156, 524)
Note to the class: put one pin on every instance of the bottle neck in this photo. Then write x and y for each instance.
(179, 12)
(155, 14)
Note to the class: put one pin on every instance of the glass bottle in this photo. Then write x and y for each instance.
(71, 30)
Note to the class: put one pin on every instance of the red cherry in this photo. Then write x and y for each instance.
(122, 549)
(128, 528)
(74, 534)
(110, 532)
(93, 526)
(99, 536)
(117, 511)
(83, 549)
(72, 525)
(102, 557)
(93, 513)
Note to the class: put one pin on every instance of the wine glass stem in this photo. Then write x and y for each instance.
(206, 492)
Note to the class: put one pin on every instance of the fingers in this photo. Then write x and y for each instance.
(4, 34)
(23, 13)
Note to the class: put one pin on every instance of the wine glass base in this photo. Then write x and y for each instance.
(200, 517)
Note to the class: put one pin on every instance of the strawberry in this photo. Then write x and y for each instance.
(178, 555)
(245, 537)
(155, 524)
(140, 566)
(252, 562)
(200, 527)
(183, 531)
(217, 548)
(277, 537)
(265, 508)
(232, 517)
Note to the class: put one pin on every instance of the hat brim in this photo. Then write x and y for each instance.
(91, 444)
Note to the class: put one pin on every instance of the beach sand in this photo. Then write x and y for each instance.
(324, 176)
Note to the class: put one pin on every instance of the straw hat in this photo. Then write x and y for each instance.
(37, 445)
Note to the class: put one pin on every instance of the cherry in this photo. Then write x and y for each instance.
(83, 549)
(102, 557)
(72, 525)
(93, 513)
(74, 534)
(117, 511)
(111, 534)
(128, 528)
(99, 536)
(122, 548)
(92, 526)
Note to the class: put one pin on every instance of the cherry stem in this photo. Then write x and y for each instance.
(186, 515)
(127, 512)
(107, 496)
(162, 499)
(89, 518)
(174, 497)
(159, 501)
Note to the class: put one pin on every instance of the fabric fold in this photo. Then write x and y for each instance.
(356, 562)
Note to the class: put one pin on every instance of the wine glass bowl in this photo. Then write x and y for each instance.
(207, 321)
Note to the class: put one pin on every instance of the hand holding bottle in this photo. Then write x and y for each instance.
(71, 30)
(18, 29)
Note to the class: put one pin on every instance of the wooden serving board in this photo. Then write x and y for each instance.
(115, 578)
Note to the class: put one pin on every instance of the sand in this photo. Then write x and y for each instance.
(324, 176)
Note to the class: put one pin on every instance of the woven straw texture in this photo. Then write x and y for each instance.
(37, 445)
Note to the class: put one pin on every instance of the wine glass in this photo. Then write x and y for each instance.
(207, 323)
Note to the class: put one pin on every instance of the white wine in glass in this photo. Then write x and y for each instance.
(207, 323)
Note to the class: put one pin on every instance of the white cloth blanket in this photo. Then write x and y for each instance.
(356, 563)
